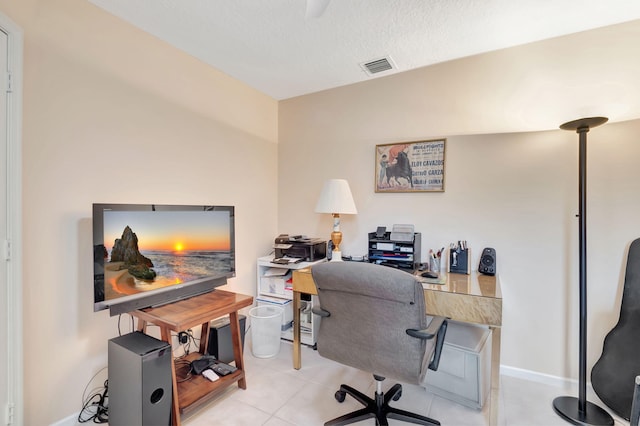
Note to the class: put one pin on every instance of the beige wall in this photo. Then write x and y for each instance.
(113, 115)
(516, 192)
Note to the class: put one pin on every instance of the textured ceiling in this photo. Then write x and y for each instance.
(272, 46)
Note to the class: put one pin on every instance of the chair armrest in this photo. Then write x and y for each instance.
(321, 312)
(430, 331)
(437, 327)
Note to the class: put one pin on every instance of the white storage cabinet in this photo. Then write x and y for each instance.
(464, 372)
(274, 287)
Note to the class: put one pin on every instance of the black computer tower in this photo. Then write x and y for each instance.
(140, 384)
(220, 344)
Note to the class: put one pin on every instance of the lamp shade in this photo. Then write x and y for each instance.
(336, 198)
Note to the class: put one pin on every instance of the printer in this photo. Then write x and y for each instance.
(300, 247)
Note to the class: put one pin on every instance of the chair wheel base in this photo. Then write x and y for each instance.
(377, 408)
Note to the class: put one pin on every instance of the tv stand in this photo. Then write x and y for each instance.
(188, 313)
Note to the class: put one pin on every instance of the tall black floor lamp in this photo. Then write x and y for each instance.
(579, 411)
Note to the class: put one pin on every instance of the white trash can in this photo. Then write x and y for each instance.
(266, 324)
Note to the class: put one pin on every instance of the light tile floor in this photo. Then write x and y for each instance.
(278, 395)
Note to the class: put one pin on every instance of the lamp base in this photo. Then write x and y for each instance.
(567, 407)
(336, 256)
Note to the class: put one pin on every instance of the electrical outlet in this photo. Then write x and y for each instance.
(183, 337)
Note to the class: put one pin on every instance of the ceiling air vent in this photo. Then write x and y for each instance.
(378, 65)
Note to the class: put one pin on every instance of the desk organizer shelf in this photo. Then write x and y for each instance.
(398, 254)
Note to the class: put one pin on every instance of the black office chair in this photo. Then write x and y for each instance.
(374, 320)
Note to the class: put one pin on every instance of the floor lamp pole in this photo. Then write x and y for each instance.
(580, 411)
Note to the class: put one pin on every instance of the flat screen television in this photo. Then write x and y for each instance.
(148, 254)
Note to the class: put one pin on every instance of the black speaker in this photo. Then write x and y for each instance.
(140, 384)
(487, 262)
(220, 344)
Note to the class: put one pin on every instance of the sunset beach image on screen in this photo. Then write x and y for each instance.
(173, 247)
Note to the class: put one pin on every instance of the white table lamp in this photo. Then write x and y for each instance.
(336, 199)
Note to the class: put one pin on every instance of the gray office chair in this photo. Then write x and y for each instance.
(373, 319)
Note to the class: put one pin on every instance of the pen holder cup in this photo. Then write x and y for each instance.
(459, 261)
(434, 265)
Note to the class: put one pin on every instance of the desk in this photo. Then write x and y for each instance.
(471, 298)
(192, 312)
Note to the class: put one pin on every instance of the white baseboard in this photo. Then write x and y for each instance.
(543, 378)
(562, 383)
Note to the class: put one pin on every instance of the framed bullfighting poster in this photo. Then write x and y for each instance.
(410, 166)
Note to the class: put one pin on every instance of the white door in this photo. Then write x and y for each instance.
(11, 381)
(4, 320)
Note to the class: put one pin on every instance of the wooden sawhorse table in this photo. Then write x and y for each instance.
(189, 313)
